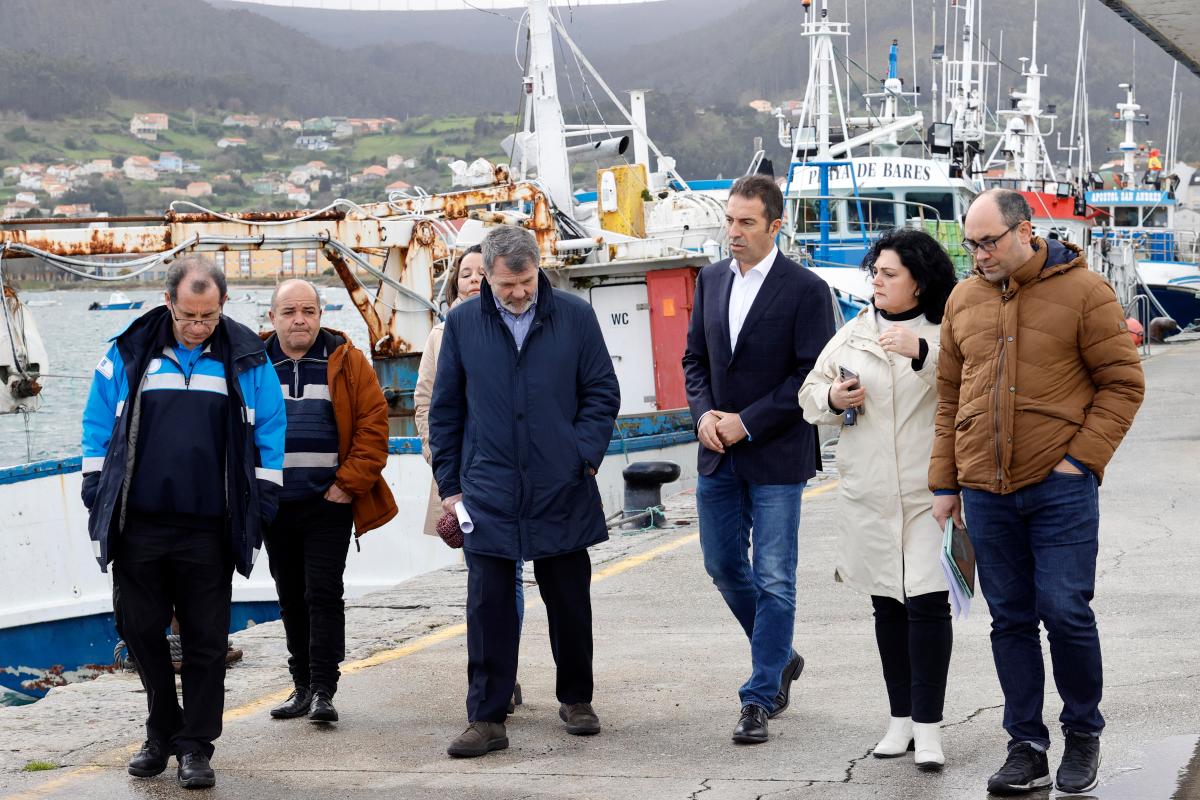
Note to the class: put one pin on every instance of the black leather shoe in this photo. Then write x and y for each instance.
(580, 718)
(151, 760)
(322, 708)
(195, 772)
(1024, 770)
(1078, 771)
(479, 739)
(795, 666)
(752, 727)
(295, 706)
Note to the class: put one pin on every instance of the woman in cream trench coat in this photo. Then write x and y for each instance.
(889, 542)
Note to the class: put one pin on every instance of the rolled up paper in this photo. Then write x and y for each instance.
(464, 519)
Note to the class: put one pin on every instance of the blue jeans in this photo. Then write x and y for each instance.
(761, 592)
(1035, 550)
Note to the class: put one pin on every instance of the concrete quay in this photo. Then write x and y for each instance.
(668, 661)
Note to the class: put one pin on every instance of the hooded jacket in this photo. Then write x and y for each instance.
(1031, 371)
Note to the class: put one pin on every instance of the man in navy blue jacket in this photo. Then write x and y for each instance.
(523, 409)
(758, 323)
(183, 439)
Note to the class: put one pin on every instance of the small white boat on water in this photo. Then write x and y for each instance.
(117, 301)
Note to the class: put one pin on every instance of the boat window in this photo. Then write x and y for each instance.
(1125, 216)
(808, 216)
(876, 215)
(942, 202)
(1155, 217)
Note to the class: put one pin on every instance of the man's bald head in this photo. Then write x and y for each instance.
(999, 232)
(296, 316)
(295, 288)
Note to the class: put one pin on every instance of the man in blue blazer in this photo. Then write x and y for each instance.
(758, 323)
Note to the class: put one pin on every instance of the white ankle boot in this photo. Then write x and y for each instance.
(898, 740)
(928, 739)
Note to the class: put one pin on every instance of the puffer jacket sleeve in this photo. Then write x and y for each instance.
(270, 431)
(368, 454)
(599, 393)
(1112, 361)
(943, 472)
(423, 393)
(814, 393)
(99, 418)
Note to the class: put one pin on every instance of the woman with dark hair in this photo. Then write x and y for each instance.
(881, 367)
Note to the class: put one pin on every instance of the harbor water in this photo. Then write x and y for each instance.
(76, 338)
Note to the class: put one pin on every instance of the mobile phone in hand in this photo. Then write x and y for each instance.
(850, 415)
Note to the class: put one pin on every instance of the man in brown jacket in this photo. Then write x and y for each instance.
(334, 454)
(1038, 382)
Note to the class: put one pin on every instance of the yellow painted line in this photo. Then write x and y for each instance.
(383, 657)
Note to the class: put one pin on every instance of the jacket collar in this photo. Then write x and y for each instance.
(1052, 257)
(144, 333)
(545, 298)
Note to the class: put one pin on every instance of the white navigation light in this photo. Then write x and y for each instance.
(941, 138)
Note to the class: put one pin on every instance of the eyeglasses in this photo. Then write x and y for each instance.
(988, 245)
(210, 322)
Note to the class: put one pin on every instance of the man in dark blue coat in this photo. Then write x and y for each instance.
(523, 409)
(758, 323)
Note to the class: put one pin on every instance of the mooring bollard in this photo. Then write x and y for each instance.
(643, 493)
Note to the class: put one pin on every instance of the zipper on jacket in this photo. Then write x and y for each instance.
(996, 393)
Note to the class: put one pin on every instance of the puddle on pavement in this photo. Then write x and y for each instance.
(1169, 770)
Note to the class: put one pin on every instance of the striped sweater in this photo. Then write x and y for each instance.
(310, 458)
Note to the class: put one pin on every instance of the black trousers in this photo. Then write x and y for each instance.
(493, 631)
(160, 568)
(915, 639)
(307, 545)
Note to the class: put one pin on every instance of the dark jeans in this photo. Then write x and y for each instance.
(761, 594)
(914, 640)
(307, 543)
(1036, 554)
(160, 568)
(493, 630)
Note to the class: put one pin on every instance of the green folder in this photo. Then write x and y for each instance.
(959, 555)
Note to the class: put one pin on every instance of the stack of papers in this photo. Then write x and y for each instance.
(958, 565)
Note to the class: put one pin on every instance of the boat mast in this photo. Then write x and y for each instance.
(1022, 142)
(553, 168)
(1127, 113)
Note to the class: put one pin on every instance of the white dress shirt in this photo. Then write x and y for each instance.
(741, 297)
(745, 289)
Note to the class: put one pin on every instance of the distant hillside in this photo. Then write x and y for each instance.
(186, 53)
(179, 54)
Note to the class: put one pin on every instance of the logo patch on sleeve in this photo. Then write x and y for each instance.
(105, 367)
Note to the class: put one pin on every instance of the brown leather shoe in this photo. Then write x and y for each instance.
(580, 718)
(479, 739)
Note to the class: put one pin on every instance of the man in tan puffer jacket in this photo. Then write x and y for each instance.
(1038, 382)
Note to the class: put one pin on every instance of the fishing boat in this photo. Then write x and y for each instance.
(853, 177)
(117, 301)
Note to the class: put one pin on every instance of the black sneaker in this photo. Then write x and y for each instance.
(1078, 771)
(1025, 770)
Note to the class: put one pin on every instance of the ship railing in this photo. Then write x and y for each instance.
(1158, 244)
(802, 228)
(1140, 308)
